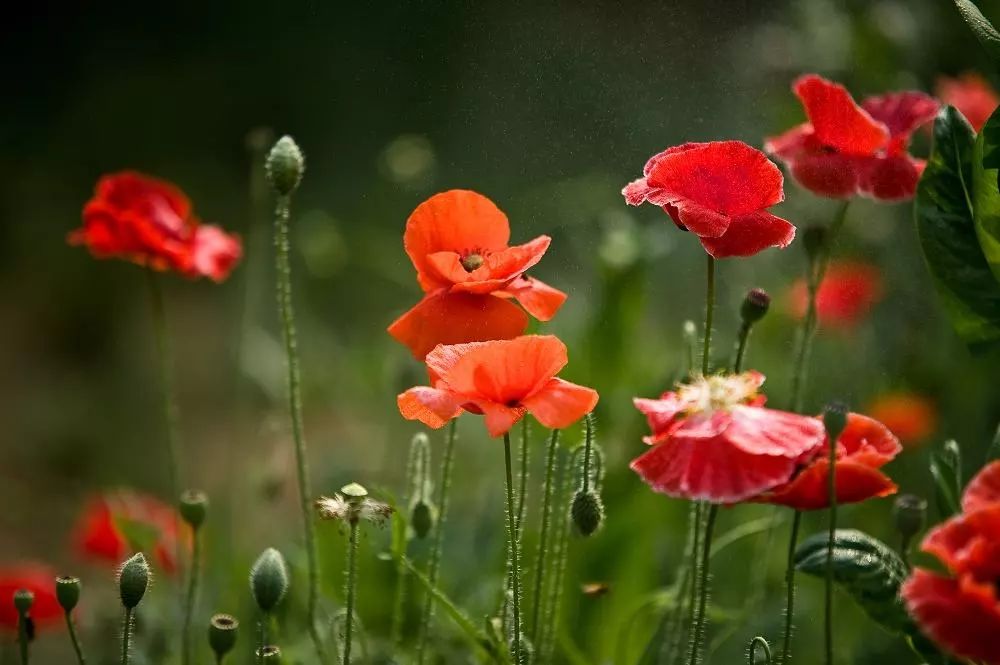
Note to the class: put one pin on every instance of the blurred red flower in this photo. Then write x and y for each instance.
(713, 440)
(911, 417)
(40, 580)
(116, 524)
(848, 291)
(501, 379)
(863, 448)
(458, 243)
(150, 222)
(720, 191)
(960, 609)
(845, 149)
(971, 94)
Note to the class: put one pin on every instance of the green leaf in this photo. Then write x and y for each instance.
(981, 27)
(943, 211)
(986, 195)
(946, 467)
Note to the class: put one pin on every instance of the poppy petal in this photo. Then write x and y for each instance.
(538, 298)
(833, 175)
(892, 178)
(972, 95)
(560, 403)
(698, 219)
(431, 406)
(867, 441)
(809, 490)
(902, 112)
(983, 491)
(749, 235)
(729, 177)
(965, 623)
(454, 318)
(499, 418)
(459, 221)
(507, 371)
(39, 580)
(761, 431)
(837, 120)
(215, 252)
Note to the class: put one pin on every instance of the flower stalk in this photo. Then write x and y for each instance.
(513, 558)
(835, 420)
(168, 391)
(698, 630)
(706, 350)
(193, 507)
(68, 595)
(543, 541)
(23, 600)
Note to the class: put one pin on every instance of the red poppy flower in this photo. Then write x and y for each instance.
(863, 448)
(117, 524)
(150, 222)
(720, 191)
(972, 95)
(845, 149)
(458, 242)
(848, 291)
(40, 580)
(501, 379)
(960, 610)
(714, 440)
(911, 417)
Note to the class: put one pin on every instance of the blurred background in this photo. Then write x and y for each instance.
(547, 108)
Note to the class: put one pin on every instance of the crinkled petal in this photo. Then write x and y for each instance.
(966, 624)
(760, 431)
(983, 491)
(499, 418)
(809, 490)
(660, 413)
(538, 298)
(867, 441)
(891, 178)
(431, 406)
(506, 372)
(968, 543)
(830, 174)
(902, 112)
(838, 122)
(698, 219)
(750, 234)
(454, 318)
(560, 403)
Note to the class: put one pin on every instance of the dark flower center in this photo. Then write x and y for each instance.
(472, 261)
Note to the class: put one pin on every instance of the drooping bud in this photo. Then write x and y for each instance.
(23, 600)
(269, 579)
(269, 654)
(909, 513)
(422, 513)
(835, 419)
(68, 592)
(285, 165)
(755, 306)
(814, 240)
(194, 507)
(222, 631)
(587, 511)
(133, 580)
(421, 518)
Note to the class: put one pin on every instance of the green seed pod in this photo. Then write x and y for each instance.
(133, 580)
(68, 592)
(269, 654)
(835, 419)
(222, 631)
(587, 511)
(285, 165)
(269, 579)
(421, 519)
(194, 507)
(755, 306)
(23, 600)
(909, 513)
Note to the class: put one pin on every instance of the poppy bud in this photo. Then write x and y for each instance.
(587, 511)
(269, 654)
(909, 512)
(285, 165)
(814, 240)
(222, 630)
(193, 508)
(835, 419)
(23, 600)
(755, 306)
(68, 592)
(269, 579)
(421, 519)
(133, 579)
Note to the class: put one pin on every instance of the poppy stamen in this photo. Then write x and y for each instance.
(472, 261)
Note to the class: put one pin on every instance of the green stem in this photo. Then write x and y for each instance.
(672, 645)
(284, 277)
(817, 271)
(832, 489)
(786, 653)
(752, 651)
(192, 596)
(695, 567)
(169, 397)
(22, 636)
(741, 347)
(126, 635)
(434, 562)
(522, 492)
(706, 350)
(513, 556)
(74, 639)
(559, 558)
(706, 552)
(352, 576)
(543, 541)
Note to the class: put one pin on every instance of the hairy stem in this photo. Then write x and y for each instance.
(192, 596)
(513, 557)
(352, 575)
(559, 558)
(126, 635)
(522, 492)
(706, 552)
(695, 567)
(543, 541)
(786, 649)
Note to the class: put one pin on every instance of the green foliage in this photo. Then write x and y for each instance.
(986, 195)
(981, 27)
(946, 467)
(944, 213)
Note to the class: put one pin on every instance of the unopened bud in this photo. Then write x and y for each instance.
(755, 306)
(194, 507)
(222, 630)
(285, 165)
(909, 513)
(68, 592)
(269, 654)
(587, 511)
(133, 580)
(421, 519)
(269, 579)
(835, 420)
(23, 600)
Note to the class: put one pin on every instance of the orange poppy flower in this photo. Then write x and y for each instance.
(911, 417)
(458, 243)
(502, 380)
